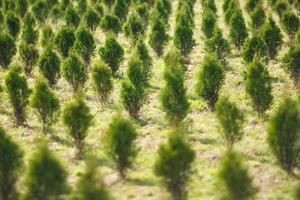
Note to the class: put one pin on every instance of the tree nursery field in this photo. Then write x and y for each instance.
(149, 99)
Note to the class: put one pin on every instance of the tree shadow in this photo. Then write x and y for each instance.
(140, 182)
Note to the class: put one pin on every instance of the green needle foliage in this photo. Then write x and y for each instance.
(77, 117)
(92, 19)
(49, 66)
(258, 17)
(112, 52)
(158, 36)
(235, 178)
(102, 80)
(173, 95)
(290, 23)
(259, 86)
(90, 185)
(272, 35)
(11, 162)
(21, 7)
(173, 164)
(210, 80)
(64, 41)
(13, 24)
(8, 50)
(120, 9)
(110, 23)
(72, 18)
(18, 93)
(46, 104)
(85, 44)
(208, 24)
(291, 63)
(141, 52)
(231, 120)
(254, 46)
(133, 89)
(121, 143)
(40, 10)
(284, 134)
(134, 27)
(74, 72)
(47, 37)
(29, 55)
(46, 178)
(29, 32)
(238, 30)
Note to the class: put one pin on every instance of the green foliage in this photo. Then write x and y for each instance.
(291, 63)
(236, 179)
(284, 134)
(7, 50)
(46, 104)
(72, 18)
(121, 143)
(11, 162)
(238, 30)
(173, 164)
(281, 7)
(112, 52)
(231, 120)
(74, 72)
(133, 90)
(173, 95)
(218, 45)
(46, 177)
(251, 5)
(134, 27)
(29, 32)
(143, 9)
(64, 41)
(258, 17)
(271, 34)
(49, 66)
(290, 23)
(85, 44)
(254, 46)
(47, 37)
(259, 86)
(77, 117)
(92, 19)
(12, 23)
(90, 185)
(210, 80)
(82, 6)
(29, 55)
(21, 7)
(110, 23)
(102, 80)
(18, 93)
(40, 10)
(141, 52)
(120, 9)
(209, 20)
(158, 36)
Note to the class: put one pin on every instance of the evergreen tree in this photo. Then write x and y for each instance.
(76, 116)
(231, 120)
(158, 36)
(40, 10)
(208, 24)
(141, 52)
(92, 19)
(258, 17)
(254, 46)
(13, 24)
(29, 56)
(18, 93)
(64, 41)
(85, 44)
(291, 63)
(173, 95)
(21, 7)
(11, 162)
(210, 80)
(259, 86)
(49, 66)
(90, 186)
(29, 32)
(112, 52)
(46, 177)
(7, 50)
(134, 27)
(110, 23)
(74, 72)
(271, 34)
(290, 23)
(46, 104)
(173, 164)
(72, 18)
(47, 37)
(236, 179)
(102, 80)
(284, 134)
(121, 143)
(238, 30)
(120, 9)
(133, 90)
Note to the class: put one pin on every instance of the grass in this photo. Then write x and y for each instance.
(201, 126)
